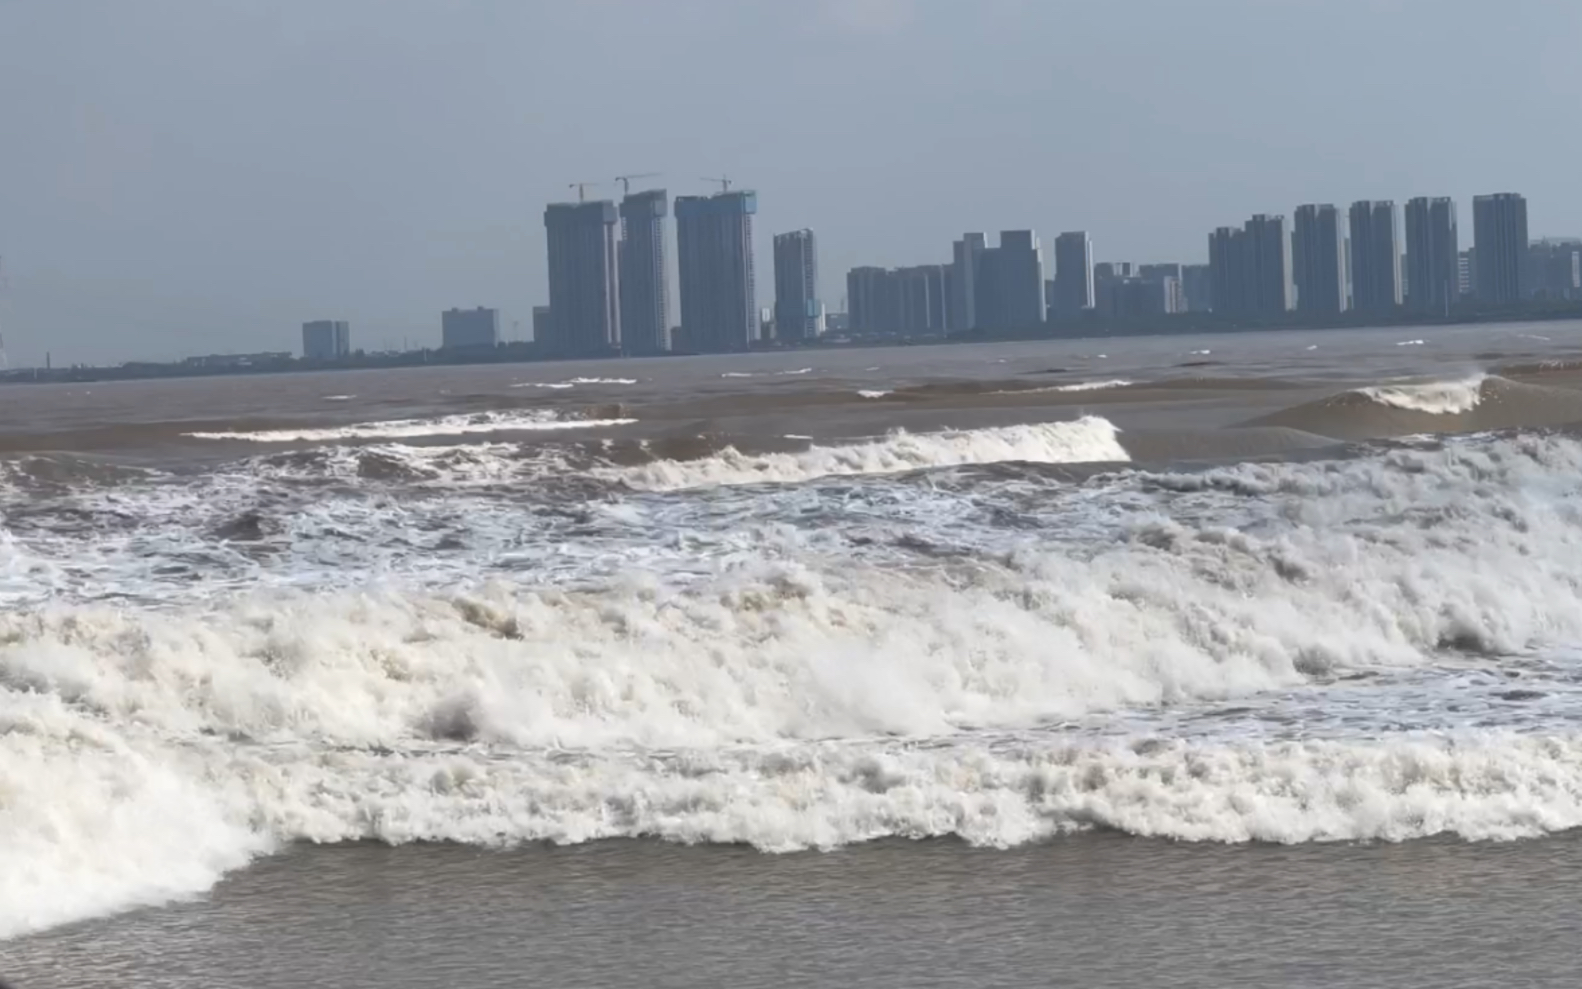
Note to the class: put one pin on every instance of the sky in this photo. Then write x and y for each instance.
(182, 177)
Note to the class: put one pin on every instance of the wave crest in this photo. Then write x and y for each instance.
(1087, 440)
(453, 425)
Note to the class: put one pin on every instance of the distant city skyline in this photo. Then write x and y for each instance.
(183, 177)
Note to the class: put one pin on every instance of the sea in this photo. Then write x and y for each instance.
(1240, 660)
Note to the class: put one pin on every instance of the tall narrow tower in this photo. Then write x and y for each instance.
(645, 292)
(796, 286)
(584, 279)
(719, 296)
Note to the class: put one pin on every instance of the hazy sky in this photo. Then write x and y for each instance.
(198, 176)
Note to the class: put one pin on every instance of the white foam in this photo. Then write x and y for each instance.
(339, 398)
(767, 374)
(791, 693)
(574, 382)
(1095, 385)
(1086, 440)
(1454, 397)
(1411, 343)
(873, 393)
(1201, 353)
(453, 425)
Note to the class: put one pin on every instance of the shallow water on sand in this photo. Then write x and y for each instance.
(1093, 910)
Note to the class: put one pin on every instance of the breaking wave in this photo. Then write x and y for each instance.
(767, 374)
(794, 696)
(574, 382)
(1434, 397)
(453, 425)
(1095, 385)
(1471, 404)
(1087, 440)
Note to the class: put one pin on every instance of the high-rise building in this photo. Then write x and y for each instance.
(645, 291)
(1139, 296)
(1268, 249)
(1433, 253)
(962, 289)
(469, 328)
(584, 279)
(1106, 275)
(1227, 261)
(1010, 284)
(1170, 280)
(1250, 268)
(326, 340)
(719, 294)
(1197, 287)
(1464, 277)
(1318, 255)
(867, 300)
(919, 295)
(1375, 256)
(541, 324)
(1499, 233)
(1554, 270)
(907, 302)
(1074, 290)
(796, 286)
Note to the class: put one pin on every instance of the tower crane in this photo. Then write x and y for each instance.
(626, 181)
(725, 183)
(582, 190)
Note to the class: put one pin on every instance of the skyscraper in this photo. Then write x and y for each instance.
(906, 302)
(1554, 270)
(918, 293)
(796, 286)
(326, 340)
(1433, 254)
(1268, 256)
(719, 295)
(645, 291)
(966, 257)
(1227, 262)
(584, 279)
(1010, 284)
(1250, 268)
(867, 303)
(541, 324)
(1499, 234)
(1375, 256)
(1197, 287)
(1319, 260)
(1073, 275)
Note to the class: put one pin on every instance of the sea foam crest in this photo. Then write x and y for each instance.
(452, 425)
(1453, 397)
(1087, 440)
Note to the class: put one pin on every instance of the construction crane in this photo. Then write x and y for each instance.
(582, 190)
(626, 181)
(725, 183)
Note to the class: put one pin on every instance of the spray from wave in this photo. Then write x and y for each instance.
(454, 425)
(1087, 440)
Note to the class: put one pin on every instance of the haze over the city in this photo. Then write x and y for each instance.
(199, 176)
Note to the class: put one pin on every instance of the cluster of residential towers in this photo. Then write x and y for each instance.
(609, 289)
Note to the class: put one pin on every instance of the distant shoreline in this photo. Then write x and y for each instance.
(1184, 324)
